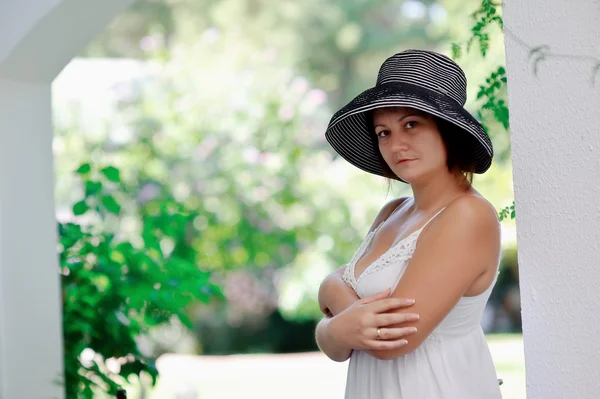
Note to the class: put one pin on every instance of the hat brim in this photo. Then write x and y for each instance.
(349, 129)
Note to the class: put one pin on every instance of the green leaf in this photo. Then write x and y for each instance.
(481, 92)
(92, 187)
(80, 208)
(84, 169)
(470, 43)
(112, 386)
(112, 174)
(135, 367)
(456, 51)
(185, 320)
(111, 204)
(484, 44)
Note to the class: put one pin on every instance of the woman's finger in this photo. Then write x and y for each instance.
(376, 297)
(387, 334)
(385, 305)
(388, 319)
(380, 345)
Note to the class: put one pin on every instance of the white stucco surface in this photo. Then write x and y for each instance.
(555, 127)
(37, 39)
(30, 329)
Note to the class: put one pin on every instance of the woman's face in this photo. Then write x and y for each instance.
(410, 143)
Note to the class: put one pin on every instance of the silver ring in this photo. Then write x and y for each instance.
(378, 333)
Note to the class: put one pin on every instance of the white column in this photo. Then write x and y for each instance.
(37, 39)
(555, 127)
(31, 333)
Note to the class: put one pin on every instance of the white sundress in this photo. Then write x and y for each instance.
(454, 361)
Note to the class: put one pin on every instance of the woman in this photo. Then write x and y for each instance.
(440, 247)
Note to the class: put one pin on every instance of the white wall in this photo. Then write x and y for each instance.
(37, 39)
(18, 17)
(555, 127)
(31, 336)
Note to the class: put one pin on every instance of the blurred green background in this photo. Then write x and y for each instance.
(199, 205)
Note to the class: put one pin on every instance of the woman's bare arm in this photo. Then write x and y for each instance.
(352, 323)
(356, 326)
(335, 296)
(455, 251)
(328, 344)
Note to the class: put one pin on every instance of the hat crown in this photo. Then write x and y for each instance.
(427, 69)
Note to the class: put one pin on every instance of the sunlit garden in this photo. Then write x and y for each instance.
(199, 205)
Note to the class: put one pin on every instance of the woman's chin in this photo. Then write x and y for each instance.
(409, 177)
(404, 175)
(404, 178)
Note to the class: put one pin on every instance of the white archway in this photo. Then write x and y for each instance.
(37, 39)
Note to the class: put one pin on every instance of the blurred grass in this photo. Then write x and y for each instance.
(507, 351)
(294, 376)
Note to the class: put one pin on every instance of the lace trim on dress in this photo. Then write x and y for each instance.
(348, 275)
(402, 251)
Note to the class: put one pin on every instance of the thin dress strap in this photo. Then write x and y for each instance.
(434, 216)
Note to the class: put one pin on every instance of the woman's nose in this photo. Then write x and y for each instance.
(398, 141)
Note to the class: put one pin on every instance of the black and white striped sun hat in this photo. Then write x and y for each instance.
(419, 79)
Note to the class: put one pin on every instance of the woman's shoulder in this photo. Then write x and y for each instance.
(473, 205)
(472, 213)
(387, 210)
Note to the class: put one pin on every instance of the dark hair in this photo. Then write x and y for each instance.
(458, 143)
(460, 148)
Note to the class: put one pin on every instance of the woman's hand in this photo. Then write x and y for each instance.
(366, 324)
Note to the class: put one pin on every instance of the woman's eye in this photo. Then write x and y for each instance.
(410, 124)
(382, 133)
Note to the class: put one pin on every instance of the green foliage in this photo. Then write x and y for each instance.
(112, 174)
(114, 291)
(491, 95)
(484, 17)
(508, 211)
(456, 50)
